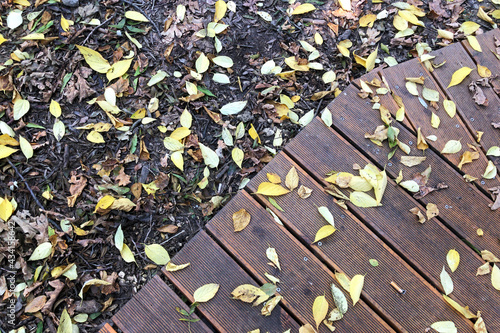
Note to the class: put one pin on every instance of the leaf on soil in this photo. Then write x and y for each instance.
(324, 232)
(157, 254)
(55, 109)
(273, 256)
(65, 324)
(26, 147)
(237, 154)
(92, 282)
(223, 61)
(206, 292)
(118, 69)
(59, 130)
(446, 282)
(271, 189)
(135, 16)
(220, 10)
(158, 77)
(233, 108)
(41, 252)
(356, 287)
(94, 59)
(241, 219)
(303, 8)
(459, 76)
(210, 157)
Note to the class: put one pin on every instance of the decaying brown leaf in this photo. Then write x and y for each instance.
(432, 210)
(304, 192)
(418, 213)
(248, 293)
(241, 219)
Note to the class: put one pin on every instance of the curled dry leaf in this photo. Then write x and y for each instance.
(464, 311)
(273, 256)
(418, 213)
(241, 219)
(171, 267)
(270, 305)
(304, 192)
(484, 269)
(488, 256)
(248, 293)
(205, 292)
(432, 211)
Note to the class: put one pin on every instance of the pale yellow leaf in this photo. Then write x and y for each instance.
(324, 232)
(65, 24)
(453, 259)
(292, 179)
(104, 203)
(26, 147)
(210, 158)
(484, 269)
(327, 215)
(273, 256)
(55, 109)
(459, 75)
(469, 27)
(65, 324)
(452, 147)
(493, 151)
(343, 280)
(304, 8)
(480, 326)
(446, 282)
(370, 61)
(495, 277)
(320, 309)
(435, 121)
(186, 119)
(450, 108)
(21, 107)
(271, 189)
(444, 327)
(180, 133)
(491, 171)
(177, 159)
(430, 95)
(474, 43)
(356, 287)
(367, 20)
(157, 254)
(171, 267)
(127, 254)
(6, 151)
(362, 199)
(135, 16)
(95, 137)
(205, 292)
(248, 293)
(94, 59)
(59, 130)
(237, 154)
(172, 144)
(42, 251)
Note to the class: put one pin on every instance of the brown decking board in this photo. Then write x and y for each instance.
(153, 310)
(409, 253)
(423, 245)
(303, 276)
(210, 264)
(351, 247)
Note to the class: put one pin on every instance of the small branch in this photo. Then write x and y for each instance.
(93, 30)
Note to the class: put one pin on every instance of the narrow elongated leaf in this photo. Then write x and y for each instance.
(327, 215)
(446, 282)
(26, 147)
(271, 189)
(320, 309)
(459, 76)
(356, 287)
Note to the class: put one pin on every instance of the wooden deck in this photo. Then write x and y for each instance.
(409, 253)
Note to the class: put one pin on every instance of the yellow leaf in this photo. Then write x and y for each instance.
(202, 63)
(324, 232)
(172, 144)
(446, 282)
(362, 199)
(180, 133)
(95, 137)
(421, 143)
(253, 133)
(177, 159)
(34, 36)
(58, 129)
(139, 114)
(356, 287)
(209, 156)
(304, 8)
(26, 148)
(206, 292)
(273, 256)
(241, 219)
(491, 171)
(65, 324)
(410, 17)
(435, 121)
(450, 108)
(474, 43)
(135, 16)
(307, 328)
(495, 277)
(464, 311)
(2, 39)
(343, 280)
(157, 254)
(6, 151)
(6, 209)
(400, 23)
(318, 39)
(124, 204)
(6, 139)
(186, 119)
(344, 50)
(445, 34)
(89, 283)
(94, 59)
(469, 27)
(345, 4)
(270, 305)
(370, 61)
(21, 107)
(273, 178)
(492, 151)
(248, 293)
(483, 71)
(292, 179)
(452, 147)
(459, 76)
(55, 109)
(453, 259)
(237, 154)
(118, 69)
(127, 254)
(65, 23)
(271, 189)
(171, 267)
(104, 203)
(325, 212)
(24, 3)
(444, 327)
(367, 20)
(430, 94)
(320, 309)
(220, 10)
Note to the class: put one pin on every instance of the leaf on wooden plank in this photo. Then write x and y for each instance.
(271, 189)
(327, 215)
(421, 143)
(248, 293)
(373, 262)
(430, 95)
(488, 256)
(171, 267)
(210, 158)
(358, 183)
(356, 287)
(303, 8)
(493, 151)
(495, 277)
(484, 269)
(483, 71)
(363, 200)
(411, 161)
(474, 43)
(233, 108)
(157, 254)
(273, 178)
(206, 292)
(459, 75)
(491, 171)
(446, 282)
(453, 259)
(480, 326)
(270, 305)
(42, 251)
(241, 219)
(94, 59)
(432, 210)
(418, 213)
(452, 147)
(326, 116)
(304, 192)
(320, 310)
(450, 108)
(343, 280)
(435, 121)
(135, 16)
(273, 256)
(444, 327)
(272, 278)
(324, 232)
(412, 88)
(464, 311)
(339, 299)
(410, 185)
(292, 179)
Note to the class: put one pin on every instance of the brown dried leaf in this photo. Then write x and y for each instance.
(304, 192)
(292, 179)
(241, 219)
(418, 213)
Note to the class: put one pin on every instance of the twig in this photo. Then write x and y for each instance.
(143, 13)
(93, 30)
(168, 239)
(57, 226)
